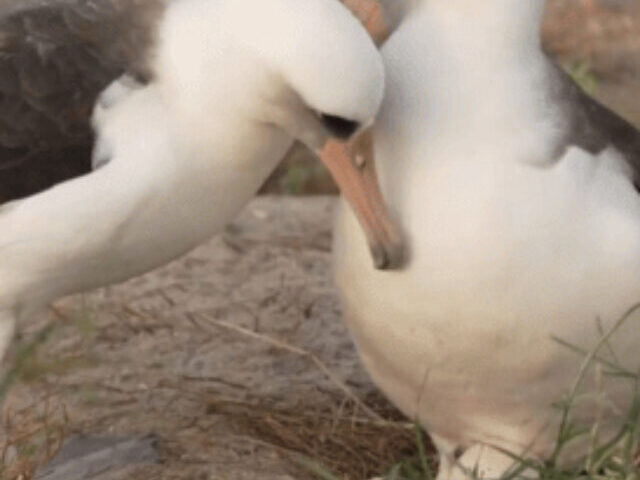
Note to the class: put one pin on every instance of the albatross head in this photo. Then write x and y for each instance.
(306, 68)
(315, 71)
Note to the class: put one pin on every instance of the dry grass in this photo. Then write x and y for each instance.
(33, 435)
(352, 447)
(354, 439)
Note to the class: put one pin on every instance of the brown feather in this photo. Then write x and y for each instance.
(593, 127)
(56, 56)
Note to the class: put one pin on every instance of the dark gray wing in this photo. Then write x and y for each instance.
(55, 58)
(594, 127)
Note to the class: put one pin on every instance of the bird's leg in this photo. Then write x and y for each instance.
(447, 452)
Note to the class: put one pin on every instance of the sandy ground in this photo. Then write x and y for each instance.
(227, 356)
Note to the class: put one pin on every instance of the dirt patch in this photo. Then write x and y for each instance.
(232, 356)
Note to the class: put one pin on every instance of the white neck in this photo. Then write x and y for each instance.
(461, 70)
(513, 19)
(467, 84)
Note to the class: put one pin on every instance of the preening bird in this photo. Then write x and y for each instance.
(212, 96)
(515, 192)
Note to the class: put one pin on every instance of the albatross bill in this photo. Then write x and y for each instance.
(353, 169)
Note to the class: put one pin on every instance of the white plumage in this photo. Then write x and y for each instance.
(519, 225)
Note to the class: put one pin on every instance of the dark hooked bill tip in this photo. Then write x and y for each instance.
(340, 127)
(391, 257)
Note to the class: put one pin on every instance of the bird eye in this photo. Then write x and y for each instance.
(338, 126)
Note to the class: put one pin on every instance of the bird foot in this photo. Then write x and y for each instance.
(479, 462)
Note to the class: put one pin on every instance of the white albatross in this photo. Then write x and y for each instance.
(230, 85)
(516, 195)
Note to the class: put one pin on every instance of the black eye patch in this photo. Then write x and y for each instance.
(340, 127)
